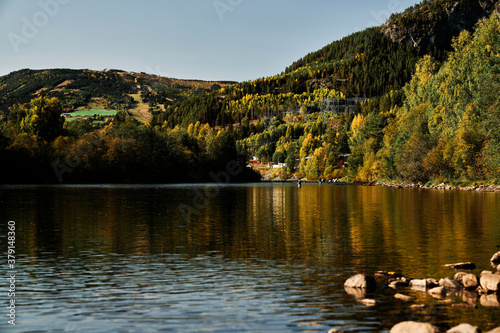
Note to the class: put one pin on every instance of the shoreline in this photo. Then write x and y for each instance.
(399, 185)
(442, 186)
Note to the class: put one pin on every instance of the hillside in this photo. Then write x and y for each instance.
(139, 93)
(381, 59)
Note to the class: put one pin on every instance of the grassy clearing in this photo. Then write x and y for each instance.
(91, 112)
(95, 103)
(140, 111)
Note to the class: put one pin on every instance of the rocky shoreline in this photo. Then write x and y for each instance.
(442, 186)
(469, 287)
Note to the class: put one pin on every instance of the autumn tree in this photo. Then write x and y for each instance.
(44, 119)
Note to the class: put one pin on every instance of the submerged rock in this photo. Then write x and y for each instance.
(335, 330)
(464, 306)
(367, 301)
(414, 327)
(361, 281)
(464, 328)
(404, 298)
(462, 265)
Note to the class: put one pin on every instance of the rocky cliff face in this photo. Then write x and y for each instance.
(435, 23)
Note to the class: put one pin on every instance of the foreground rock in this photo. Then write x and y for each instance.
(399, 282)
(468, 281)
(404, 298)
(462, 266)
(423, 284)
(464, 328)
(361, 281)
(495, 261)
(490, 282)
(450, 283)
(356, 292)
(385, 277)
(367, 301)
(414, 327)
(439, 292)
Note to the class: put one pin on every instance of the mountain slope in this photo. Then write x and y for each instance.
(111, 89)
(389, 53)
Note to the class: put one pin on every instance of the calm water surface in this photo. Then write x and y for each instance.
(254, 258)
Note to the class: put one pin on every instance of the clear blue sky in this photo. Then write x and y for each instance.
(234, 40)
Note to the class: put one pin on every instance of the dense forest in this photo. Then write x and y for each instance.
(369, 107)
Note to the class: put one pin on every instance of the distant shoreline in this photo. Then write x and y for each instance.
(400, 185)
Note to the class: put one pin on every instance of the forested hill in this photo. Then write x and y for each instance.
(110, 89)
(381, 59)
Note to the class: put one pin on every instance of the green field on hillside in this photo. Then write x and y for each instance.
(91, 112)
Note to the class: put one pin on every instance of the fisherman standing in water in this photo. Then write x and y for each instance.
(299, 183)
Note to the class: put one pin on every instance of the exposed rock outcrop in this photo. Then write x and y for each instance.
(437, 22)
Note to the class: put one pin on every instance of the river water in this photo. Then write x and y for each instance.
(249, 258)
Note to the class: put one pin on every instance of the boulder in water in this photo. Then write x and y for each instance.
(490, 282)
(495, 261)
(361, 281)
(414, 327)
